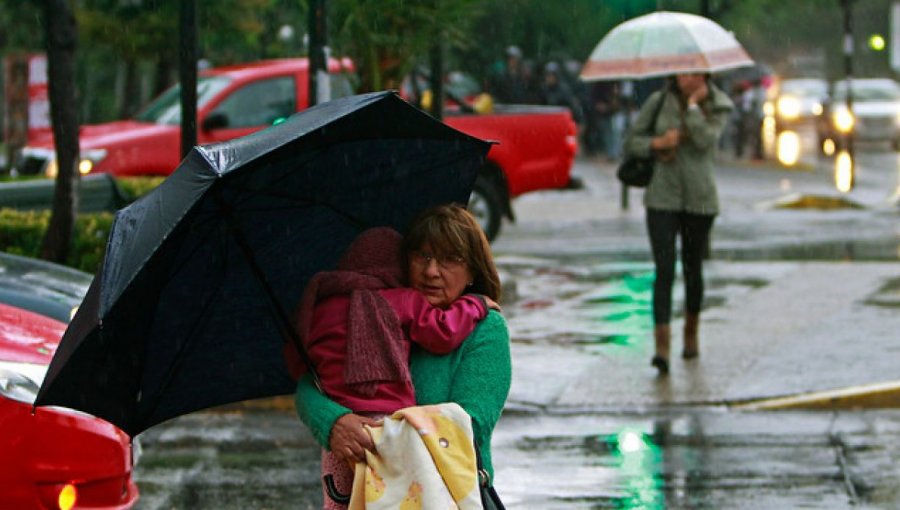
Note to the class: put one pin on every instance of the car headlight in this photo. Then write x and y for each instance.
(788, 107)
(843, 120)
(21, 381)
(86, 162)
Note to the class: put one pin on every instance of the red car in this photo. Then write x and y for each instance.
(535, 150)
(53, 458)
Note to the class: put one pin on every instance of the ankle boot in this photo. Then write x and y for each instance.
(662, 335)
(691, 336)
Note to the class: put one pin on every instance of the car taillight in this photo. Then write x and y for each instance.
(572, 137)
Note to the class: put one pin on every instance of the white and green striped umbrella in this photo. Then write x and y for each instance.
(661, 44)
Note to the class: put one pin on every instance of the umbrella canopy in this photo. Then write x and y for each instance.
(661, 44)
(190, 307)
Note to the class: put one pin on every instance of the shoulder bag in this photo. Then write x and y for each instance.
(637, 171)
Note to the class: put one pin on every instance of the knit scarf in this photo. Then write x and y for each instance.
(375, 339)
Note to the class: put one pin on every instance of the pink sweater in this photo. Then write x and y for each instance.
(437, 330)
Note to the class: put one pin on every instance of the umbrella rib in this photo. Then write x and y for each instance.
(282, 320)
(270, 191)
(301, 201)
(175, 367)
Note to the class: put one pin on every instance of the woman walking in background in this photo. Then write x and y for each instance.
(681, 199)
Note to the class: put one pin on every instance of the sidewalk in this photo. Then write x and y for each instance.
(815, 328)
(822, 333)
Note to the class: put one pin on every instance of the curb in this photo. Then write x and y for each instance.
(868, 396)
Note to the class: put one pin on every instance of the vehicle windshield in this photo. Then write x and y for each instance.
(805, 88)
(166, 109)
(863, 91)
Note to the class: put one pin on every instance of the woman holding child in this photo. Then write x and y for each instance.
(446, 257)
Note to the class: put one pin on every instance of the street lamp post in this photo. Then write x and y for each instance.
(319, 90)
(187, 70)
(845, 164)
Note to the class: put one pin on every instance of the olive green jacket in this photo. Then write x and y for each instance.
(687, 182)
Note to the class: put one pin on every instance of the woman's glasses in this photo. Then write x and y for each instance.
(449, 262)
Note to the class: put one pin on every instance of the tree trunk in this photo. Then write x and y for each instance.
(132, 94)
(61, 37)
(162, 77)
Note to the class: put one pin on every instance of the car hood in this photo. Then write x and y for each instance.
(27, 337)
(98, 136)
(41, 287)
(876, 108)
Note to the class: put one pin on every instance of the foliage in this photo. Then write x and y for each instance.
(136, 187)
(133, 29)
(777, 32)
(388, 37)
(20, 27)
(21, 233)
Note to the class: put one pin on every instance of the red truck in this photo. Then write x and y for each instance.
(535, 150)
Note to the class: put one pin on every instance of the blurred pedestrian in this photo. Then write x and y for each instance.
(555, 91)
(753, 98)
(511, 83)
(608, 109)
(681, 199)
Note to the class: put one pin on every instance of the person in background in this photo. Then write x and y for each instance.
(511, 84)
(681, 199)
(556, 92)
(477, 375)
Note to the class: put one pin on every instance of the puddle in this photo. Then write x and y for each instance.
(593, 304)
(679, 459)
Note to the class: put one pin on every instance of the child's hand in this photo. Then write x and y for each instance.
(491, 304)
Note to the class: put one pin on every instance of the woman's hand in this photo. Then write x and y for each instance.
(349, 440)
(491, 304)
(667, 140)
(699, 94)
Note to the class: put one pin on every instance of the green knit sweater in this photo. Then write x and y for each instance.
(476, 376)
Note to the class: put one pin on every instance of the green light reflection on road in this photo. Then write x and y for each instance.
(639, 461)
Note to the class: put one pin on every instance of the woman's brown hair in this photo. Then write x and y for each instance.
(452, 231)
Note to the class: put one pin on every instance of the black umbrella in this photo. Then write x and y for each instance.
(190, 308)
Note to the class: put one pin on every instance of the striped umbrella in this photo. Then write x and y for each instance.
(661, 44)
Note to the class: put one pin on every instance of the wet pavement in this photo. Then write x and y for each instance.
(798, 300)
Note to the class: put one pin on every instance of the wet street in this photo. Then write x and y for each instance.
(588, 425)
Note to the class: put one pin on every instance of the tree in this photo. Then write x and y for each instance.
(387, 38)
(61, 35)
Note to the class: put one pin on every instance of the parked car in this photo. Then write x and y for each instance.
(535, 150)
(53, 458)
(875, 114)
(41, 287)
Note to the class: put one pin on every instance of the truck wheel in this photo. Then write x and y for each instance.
(485, 206)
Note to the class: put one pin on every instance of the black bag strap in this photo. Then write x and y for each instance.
(490, 500)
(484, 478)
(659, 104)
